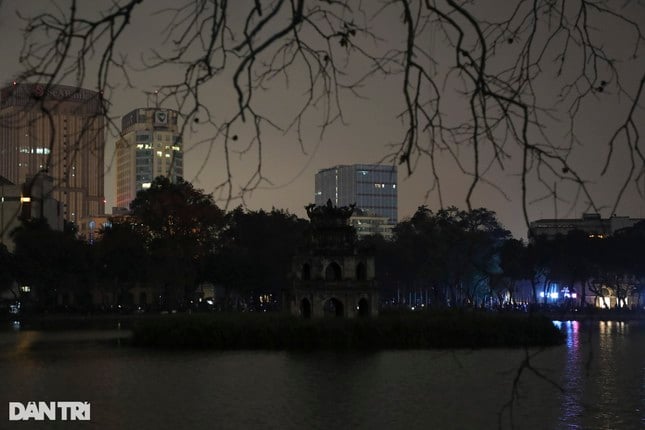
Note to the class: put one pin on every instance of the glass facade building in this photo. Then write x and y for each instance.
(372, 187)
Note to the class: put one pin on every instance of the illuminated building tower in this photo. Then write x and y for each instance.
(372, 187)
(150, 146)
(57, 130)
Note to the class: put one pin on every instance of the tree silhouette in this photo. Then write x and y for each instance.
(179, 226)
(513, 70)
(53, 263)
(255, 252)
(453, 253)
(121, 258)
(7, 268)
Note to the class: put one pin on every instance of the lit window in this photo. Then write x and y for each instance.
(25, 288)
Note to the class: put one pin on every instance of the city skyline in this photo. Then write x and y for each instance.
(369, 132)
(110, 188)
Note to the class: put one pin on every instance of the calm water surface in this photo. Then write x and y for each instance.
(595, 381)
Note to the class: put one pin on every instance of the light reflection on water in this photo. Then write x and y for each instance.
(604, 361)
(614, 380)
(574, 371)
(601, 370)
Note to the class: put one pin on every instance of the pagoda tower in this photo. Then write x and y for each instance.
(332, 278)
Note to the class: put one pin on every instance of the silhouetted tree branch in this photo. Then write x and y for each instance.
(513, 72)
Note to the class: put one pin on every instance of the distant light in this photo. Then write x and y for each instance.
(25, 199)
(542, 294)
(574, 295)
(554, 295)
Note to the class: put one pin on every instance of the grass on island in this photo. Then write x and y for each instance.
(408, 330)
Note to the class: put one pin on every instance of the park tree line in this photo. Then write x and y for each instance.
(176, 239)
(457, 258)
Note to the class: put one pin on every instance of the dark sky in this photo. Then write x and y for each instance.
(371, 126)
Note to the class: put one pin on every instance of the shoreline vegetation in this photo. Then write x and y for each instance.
(447, 329)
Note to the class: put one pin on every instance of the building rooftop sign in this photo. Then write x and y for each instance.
(25, 94)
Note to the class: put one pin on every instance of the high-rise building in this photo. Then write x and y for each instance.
(57, 130)
(372, 187)
(150, 146)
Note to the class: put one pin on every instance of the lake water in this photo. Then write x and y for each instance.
(595, 381)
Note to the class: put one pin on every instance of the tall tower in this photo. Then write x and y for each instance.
(150, 146)
(333, 278)
(372, 187)
(57, 130)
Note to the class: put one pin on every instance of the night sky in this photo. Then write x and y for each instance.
(371, 127)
